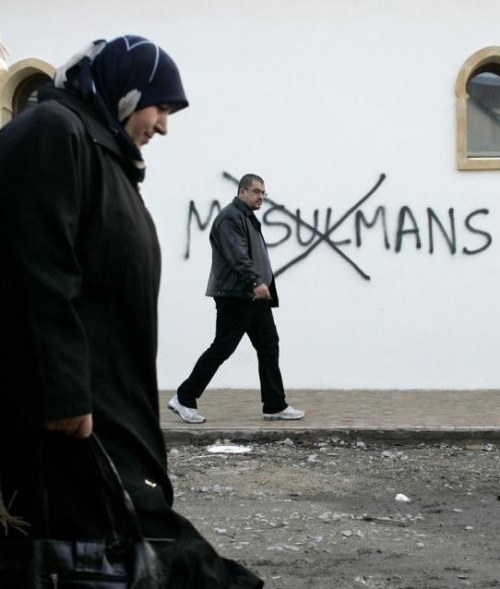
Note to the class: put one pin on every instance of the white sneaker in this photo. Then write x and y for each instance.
(288, 413)
(185, 413)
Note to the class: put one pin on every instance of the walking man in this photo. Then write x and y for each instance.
(242, 284)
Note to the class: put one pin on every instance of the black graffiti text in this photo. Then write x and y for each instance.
(466, 236)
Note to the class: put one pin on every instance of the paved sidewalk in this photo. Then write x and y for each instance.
(399, 416)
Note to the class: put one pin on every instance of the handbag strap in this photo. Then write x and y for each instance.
(120, 511)
(115, 495)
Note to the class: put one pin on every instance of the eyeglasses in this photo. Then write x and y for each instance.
(257, 191)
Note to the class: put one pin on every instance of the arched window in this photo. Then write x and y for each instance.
(19, 86)
(25, 95)
(478, 111)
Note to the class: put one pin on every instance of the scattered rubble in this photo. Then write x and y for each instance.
(330, 514)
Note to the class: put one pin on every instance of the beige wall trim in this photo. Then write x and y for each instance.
(13, 77)
(477, 60)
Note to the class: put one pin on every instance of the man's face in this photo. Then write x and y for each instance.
(253, 197)
(144, 123)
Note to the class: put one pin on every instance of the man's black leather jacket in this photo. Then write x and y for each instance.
(238, 254)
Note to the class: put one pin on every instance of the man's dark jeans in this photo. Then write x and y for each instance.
(235, 317)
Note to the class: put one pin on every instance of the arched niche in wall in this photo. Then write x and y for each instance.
(19, 85)
(478, 111)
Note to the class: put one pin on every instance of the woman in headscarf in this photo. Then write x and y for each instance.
(80, 272)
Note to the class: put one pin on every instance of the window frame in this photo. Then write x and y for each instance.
(477, 61)
(14, 80)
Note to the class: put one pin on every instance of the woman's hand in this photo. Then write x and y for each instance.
(79, 427)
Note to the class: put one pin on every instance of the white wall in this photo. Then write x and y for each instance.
(319, 98)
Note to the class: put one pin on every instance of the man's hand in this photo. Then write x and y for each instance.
(261, 292)
(79, 427)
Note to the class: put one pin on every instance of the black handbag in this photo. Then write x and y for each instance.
(124, 561)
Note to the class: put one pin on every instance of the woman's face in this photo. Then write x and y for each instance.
(143, 124)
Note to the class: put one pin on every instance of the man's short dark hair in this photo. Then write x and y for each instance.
(247, 179)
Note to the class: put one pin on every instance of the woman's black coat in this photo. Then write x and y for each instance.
(79, 278)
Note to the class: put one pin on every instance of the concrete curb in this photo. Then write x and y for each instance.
(409, 437)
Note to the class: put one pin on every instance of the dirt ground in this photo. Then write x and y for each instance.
(339, 515)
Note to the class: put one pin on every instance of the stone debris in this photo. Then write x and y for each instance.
(286, 442)
(296, 516)
(228, 449)
(388, 521)
(214, 489)
(284, 548)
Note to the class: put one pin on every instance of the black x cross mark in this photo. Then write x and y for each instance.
(321, 237)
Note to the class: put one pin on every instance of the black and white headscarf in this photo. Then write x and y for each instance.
(119, 77)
